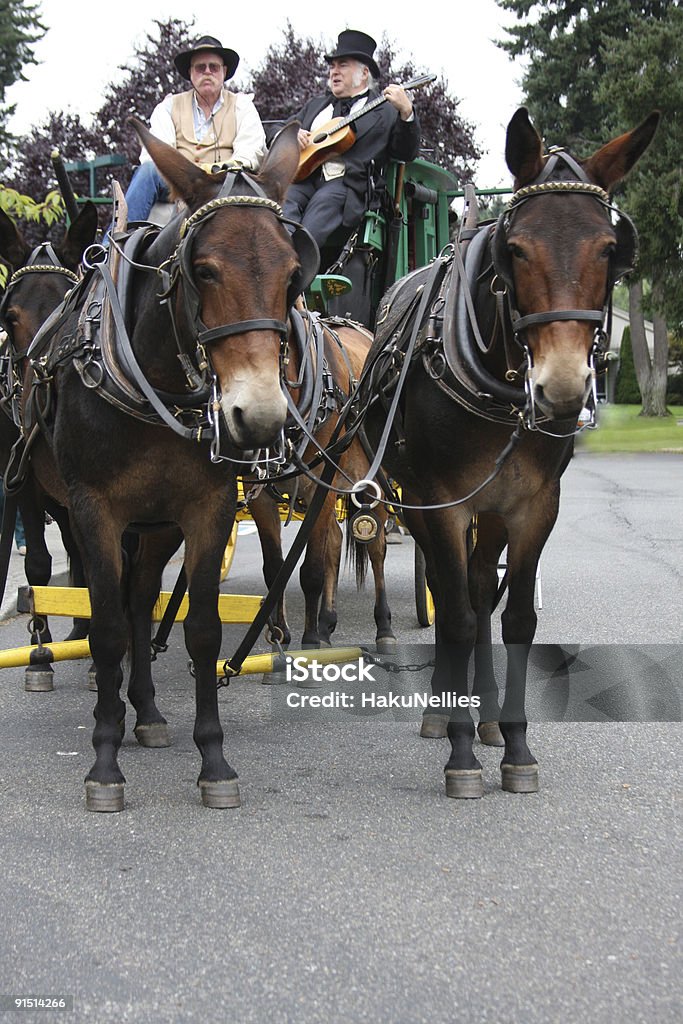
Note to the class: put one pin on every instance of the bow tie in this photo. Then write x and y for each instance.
(342, 106)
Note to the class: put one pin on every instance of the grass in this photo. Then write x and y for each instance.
(622, 429)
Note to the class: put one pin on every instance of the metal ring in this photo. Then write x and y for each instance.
(363, 485)
(94, 255)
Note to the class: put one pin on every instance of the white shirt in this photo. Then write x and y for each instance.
(249, 146)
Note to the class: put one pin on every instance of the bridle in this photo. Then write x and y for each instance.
(35, 265)
(43, 260)
(178, 267)
(621, 262)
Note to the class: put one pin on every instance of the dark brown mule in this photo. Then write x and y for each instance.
(522, 356)
(345, 350)
(39, 280)
(206, 310)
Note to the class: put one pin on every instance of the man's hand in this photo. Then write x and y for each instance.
(399, 98)
(304, 138)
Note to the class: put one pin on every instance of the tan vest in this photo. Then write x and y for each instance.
(214, 149)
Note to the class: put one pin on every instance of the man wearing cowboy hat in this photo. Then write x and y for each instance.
(334, 195)
(207, 124)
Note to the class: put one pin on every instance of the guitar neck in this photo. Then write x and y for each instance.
(417, 83)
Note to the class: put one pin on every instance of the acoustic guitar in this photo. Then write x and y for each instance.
(337, 135)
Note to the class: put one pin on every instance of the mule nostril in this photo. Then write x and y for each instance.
(539, 392)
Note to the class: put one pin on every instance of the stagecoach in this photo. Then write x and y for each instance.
(500, 328)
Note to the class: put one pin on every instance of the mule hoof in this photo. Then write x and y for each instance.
(221, 794)
(104, 798)
(464, 783)
(386, 645)
(39, 680)
(434, 727)
(490, 734)
(519, 778)
(155, 734)
(92, 680)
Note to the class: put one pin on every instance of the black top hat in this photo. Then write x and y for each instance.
(229, 57)
(356, 44)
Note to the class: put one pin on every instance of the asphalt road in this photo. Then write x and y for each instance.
(348, 888)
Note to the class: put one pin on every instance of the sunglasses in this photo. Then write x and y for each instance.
(213, 68)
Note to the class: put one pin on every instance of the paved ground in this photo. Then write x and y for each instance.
(348, 888)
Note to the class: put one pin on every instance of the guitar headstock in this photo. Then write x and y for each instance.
(417, 83)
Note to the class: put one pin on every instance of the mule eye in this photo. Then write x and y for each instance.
(516, 251)
(205, 273)
(608, 252)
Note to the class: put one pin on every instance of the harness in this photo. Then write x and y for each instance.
(100, 345)
(449, 341)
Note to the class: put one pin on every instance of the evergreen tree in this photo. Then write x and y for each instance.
(20, 28)
(596, 69)
(626, 391)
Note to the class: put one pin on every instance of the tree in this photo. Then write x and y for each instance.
(626, 391)
(296, 70)
(20, 28)
(596, 68)
(643, 71)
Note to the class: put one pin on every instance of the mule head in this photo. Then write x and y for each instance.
(25, 306)
(239, 265)
(559, 252)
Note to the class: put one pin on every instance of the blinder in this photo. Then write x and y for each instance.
(502, 261)
(309, 261)
(626, 252)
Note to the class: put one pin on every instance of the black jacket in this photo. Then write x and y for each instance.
(380, 135)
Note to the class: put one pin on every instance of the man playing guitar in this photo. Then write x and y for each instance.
(334, 193)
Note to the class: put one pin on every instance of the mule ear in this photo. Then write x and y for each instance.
(13, 248)
(281, 163)
(187, 182)
(523, 149)
(611, 163)
(78, 236)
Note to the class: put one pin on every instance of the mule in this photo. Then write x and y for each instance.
(344, 348)
(497, 351)
(39, 280)
(201, 340)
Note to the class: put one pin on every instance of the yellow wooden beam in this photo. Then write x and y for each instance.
(75, 602)
(255, 664)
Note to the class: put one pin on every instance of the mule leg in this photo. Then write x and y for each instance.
(39, 676)
(483, 585)
(327, 617)
(100, 541)
(527, 536)
(79, 630)
(266, 515)
(206, 531)
(321, 565)
(456, 628)
(144, 584)
(377, 549)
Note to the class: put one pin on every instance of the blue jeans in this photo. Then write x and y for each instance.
(146, 188)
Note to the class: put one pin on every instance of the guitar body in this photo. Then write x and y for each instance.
(327, 141)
